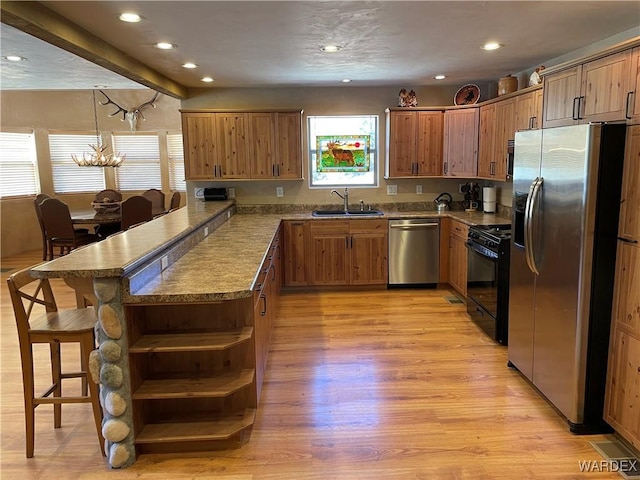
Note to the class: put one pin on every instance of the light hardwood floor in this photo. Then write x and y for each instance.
(360, 385)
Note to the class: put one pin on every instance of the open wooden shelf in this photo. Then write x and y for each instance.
(210, 387)
(191, 342)
(197, 431)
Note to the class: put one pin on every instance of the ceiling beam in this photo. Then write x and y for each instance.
(37, 20)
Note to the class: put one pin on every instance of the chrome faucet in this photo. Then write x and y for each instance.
(344, 197)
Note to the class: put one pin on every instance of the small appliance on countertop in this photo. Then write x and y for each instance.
(443, 202)
(215, 194)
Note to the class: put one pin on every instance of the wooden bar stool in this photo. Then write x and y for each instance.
(53, 327)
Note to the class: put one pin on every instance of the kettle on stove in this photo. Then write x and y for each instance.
(443, 201)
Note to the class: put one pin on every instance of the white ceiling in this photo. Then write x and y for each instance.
(266, 43)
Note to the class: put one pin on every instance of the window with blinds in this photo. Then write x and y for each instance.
(141, 167)
(176, 162)
(68, 177)
(18, 165)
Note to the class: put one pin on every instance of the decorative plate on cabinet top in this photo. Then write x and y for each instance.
(467, 95)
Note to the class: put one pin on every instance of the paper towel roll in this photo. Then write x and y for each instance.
(489, 194)
(488, 207)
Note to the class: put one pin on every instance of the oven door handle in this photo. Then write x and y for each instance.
(471, 246)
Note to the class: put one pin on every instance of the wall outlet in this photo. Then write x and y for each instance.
(392, 189)
(206, 231)
(279, 192)
(199, 192)
(164, 263)
(232, 192)
(419, 189)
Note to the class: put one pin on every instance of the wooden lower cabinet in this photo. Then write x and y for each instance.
(458, 256)
(197, 369)
(295, 251)
(622, 401)
(348, 252)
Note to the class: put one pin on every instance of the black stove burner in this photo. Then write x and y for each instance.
(491, 236)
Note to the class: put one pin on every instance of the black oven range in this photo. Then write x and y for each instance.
(488, 249)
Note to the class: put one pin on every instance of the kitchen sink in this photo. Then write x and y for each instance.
(348, 213)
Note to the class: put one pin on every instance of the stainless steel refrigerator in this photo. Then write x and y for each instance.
(566, 198)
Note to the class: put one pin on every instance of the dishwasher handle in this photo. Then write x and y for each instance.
(413, 225)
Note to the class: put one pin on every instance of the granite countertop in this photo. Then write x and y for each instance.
(224, 266)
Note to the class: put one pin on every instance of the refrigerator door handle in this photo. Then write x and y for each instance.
(527, 223)
(533, 209)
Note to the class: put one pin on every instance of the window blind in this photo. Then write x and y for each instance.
(68, 177)
(141, 167)
(176, 162)
(18, 165)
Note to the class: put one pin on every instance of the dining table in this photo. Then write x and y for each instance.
(90, 216)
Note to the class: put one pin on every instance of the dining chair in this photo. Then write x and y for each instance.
(54, 327)
(111, 195)
(174, 203)
(59, 229)
(156, 197)
(45, 241)
(135, 210)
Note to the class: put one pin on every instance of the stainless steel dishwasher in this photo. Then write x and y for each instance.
(414, 251)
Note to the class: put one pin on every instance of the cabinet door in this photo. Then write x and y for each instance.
(505, 131)
(401, 142)
(622, 402)
(486, 141)
(288, 160)
(605, 85)
(262, 140)
(233, 144)
(529, 110)
(461, 142)
(368, 245)
(430, 140)
(329, 255)
(458, 264)
(296, 238)
(630, 198)
(561, 97)
(633, 96)
(198, 132)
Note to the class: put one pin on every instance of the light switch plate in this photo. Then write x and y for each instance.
(206, 231)
(164, 263)
(419, 189)
(232, 192)
(279, 192)
(392, 189)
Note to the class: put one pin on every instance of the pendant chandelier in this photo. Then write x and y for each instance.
(98, 157)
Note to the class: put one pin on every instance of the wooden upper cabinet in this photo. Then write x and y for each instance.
(633, 97)
(595, 91)
(461, 142)
(486, 141)
(288, 134)
(242, 145)
(263, 144)
(430, 140)
(199, 143)
(529, 111)
(401, 143)
(414, 143)
(561, 95)
(630, 199)
(233, 140)
(505, 131)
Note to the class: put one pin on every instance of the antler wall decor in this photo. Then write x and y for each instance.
(131, 115)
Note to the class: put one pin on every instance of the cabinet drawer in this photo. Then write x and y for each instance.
(459, 229)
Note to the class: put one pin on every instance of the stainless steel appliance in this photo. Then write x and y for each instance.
(488, 279)
(414, 252)
(566, 181)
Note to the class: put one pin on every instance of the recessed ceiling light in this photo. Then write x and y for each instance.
(346, 80)
(130, 17)
(491, 46)
(14, 58)
(207, 79)
(189, 65)
(331, 48)
(440, 77)
(165, 45)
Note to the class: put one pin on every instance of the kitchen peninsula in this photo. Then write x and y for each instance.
(185, 307)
